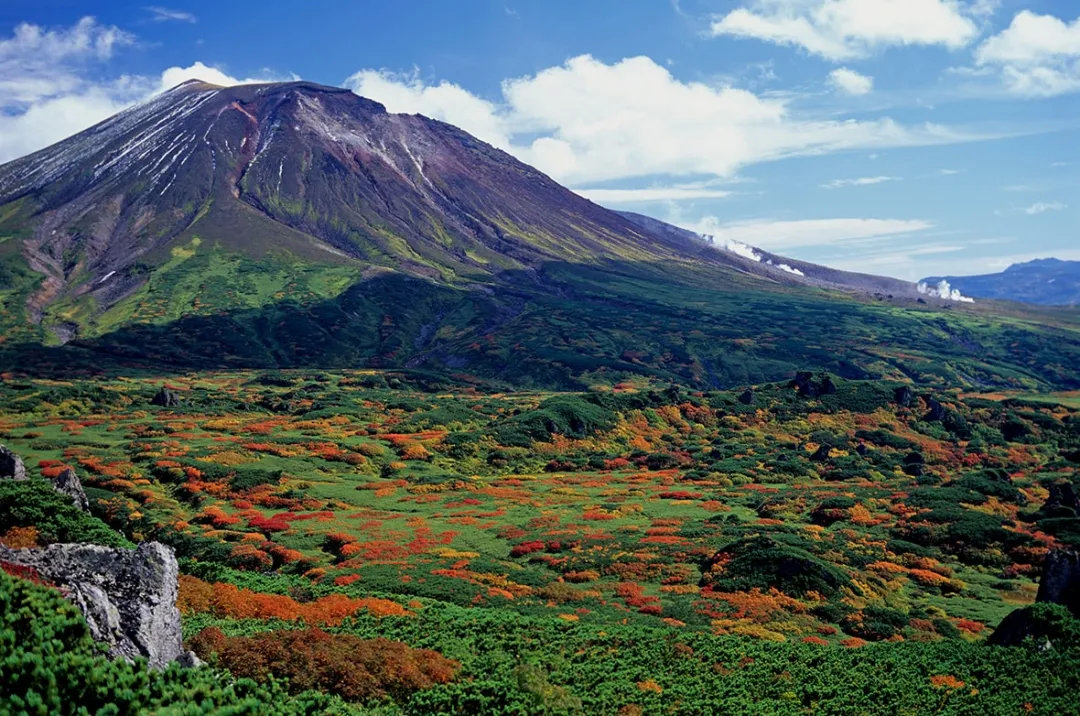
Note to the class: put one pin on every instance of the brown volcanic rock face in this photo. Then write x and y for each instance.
(293, 166)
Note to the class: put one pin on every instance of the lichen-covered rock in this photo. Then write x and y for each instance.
(127, 596)
(68, 483)
(11, 465)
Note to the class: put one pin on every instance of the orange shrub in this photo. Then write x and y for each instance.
(354, 668)
(20, 538)
(945, 681)
(229, 601)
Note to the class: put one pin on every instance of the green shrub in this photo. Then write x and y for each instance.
(763, 562)
(34, 503)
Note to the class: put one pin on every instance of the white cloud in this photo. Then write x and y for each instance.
(587, 121)
(45, 91)
(850, 82)
(655, 193)
(1036, 55)
(785, 235)
(38, 62)
(949, 172)
(846, 29)
(1041, 207)
(445, 101)
(861, 181)
(198, 71)
(164, 14)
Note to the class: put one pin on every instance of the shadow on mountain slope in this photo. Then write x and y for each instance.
(568, 325)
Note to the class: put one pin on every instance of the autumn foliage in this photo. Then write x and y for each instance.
(354, 668)
(227, 600)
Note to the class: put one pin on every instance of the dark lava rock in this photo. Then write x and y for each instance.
(803, 382)
(936, 412)
(1062, 501)
(166, 398)
(747, 397)
(1060, 583)
(904, 396)
(914, 464)
(128, 596)
(11, 465)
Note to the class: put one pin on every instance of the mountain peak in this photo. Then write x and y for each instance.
(297, 167)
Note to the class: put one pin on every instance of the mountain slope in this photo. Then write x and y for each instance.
(1050, 282)
(299, 225)
(314, 171)
(756, 261)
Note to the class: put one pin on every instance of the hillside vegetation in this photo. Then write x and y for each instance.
(626, 550)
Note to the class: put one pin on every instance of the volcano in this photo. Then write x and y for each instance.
(297, 224)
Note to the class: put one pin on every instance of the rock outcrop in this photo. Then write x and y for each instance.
(804, 384)
(1060, 584)
(1062, 501)
(165, 398)
(127, 596)
(67, 482)
(11, 465)
(904, 396)
(935, 410)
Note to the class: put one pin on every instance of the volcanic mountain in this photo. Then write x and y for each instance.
(295, 224)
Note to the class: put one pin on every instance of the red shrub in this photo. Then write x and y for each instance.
(520, 550)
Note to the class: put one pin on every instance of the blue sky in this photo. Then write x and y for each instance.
(900, 137)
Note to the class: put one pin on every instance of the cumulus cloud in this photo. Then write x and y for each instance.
(587, 121)
(1036, 55)
(1041, 207)
(781, 236)
(38, 62)
(445, 101)
(860, 181)
(847, 29)
(198, 71)
(47, 90)
(850, 82)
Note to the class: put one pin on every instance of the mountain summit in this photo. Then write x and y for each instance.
(300, 167)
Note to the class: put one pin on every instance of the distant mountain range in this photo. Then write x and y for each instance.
(297, 225)
(1048, 282)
